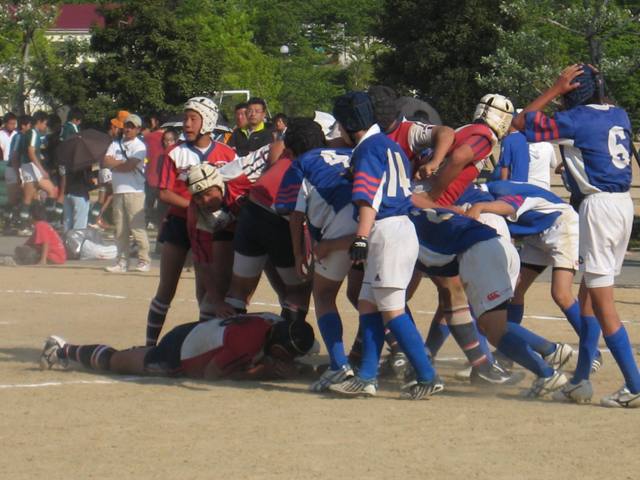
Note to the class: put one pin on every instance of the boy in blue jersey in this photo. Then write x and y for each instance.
(596, 150)
(449, 240)
(548, 227)
(317, 188)
(386, 244)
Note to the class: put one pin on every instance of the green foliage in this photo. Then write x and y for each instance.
(554, 34)
(436, 50)
(147, 62)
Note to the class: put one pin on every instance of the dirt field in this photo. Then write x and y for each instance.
(74, 425)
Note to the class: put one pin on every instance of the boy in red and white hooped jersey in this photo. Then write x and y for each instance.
(449, 176)
(200, 118)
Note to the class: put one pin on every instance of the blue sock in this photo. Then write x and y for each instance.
(372, 341)
(514, 347)
(410, 341)
(515, 313)
(536, 342)
(573, 315)
(589, 336)
(330, 327)
(438, 333)
(621, 350)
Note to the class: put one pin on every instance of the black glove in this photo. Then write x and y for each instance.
(359, 250)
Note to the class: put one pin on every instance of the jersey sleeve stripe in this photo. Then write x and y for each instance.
(365, 186)
(364, 192)
(368, 178)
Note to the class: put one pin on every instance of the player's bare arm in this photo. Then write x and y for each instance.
(461, 157)
(498, 207)
(173, 199)
(296, 221)
(443, 138)
(563, 84)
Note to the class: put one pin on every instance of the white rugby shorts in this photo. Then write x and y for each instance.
(489, 272)
(393, 252)
(556, 246)
(606, 220)
(30, 173)
(336, 265)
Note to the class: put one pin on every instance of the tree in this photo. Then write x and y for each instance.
(147, 61)
(555, 34)
(19, 23)
(435, 50)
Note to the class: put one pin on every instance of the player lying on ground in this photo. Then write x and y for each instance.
(596, 138)
(243, 347)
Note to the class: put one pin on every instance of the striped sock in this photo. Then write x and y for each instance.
(155, 320)
(466, 335)
(93, 357)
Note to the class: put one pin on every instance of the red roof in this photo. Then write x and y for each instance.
(80, 16)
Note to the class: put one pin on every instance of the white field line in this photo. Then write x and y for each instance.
(71, 382)
(265, 304)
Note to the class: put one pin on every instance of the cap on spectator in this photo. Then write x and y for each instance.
(134, 119)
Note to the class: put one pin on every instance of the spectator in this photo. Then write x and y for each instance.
(72, 125)
(280, 122)
(105, 190)
(255, 134)
(125, 157)
(54, 168)
(7, 132)
(45, 245)
(32, 172)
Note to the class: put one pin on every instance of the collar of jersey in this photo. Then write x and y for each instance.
(373, 130)
(202, 155)
(248, 132)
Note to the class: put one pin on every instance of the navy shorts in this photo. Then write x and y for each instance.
(261, 232)
(174, 231)
(164, 358)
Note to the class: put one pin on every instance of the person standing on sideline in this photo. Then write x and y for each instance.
(125, 157)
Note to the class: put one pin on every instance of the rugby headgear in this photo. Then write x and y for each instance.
(204, 176)
(589, 86)
(302, 135)
(354, 111)
(385, 107)
(496, 111)
(295, 338)
(208, 111)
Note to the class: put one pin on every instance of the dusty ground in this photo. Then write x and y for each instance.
(71, 424)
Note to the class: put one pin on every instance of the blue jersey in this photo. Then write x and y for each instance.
(318, 183)
(443, 234)
(596, 146)
(381, 172)
(536, 208)
(514, 154)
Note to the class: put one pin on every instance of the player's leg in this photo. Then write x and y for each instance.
(175, 240)
(488, 296)
(325, 291)
(93, 357)
(528, 274)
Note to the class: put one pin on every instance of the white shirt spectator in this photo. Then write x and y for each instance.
(542, 158)
(5, 143)
(133, 181)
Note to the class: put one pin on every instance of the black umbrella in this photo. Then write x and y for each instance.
(416, 109)
(83, 150)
